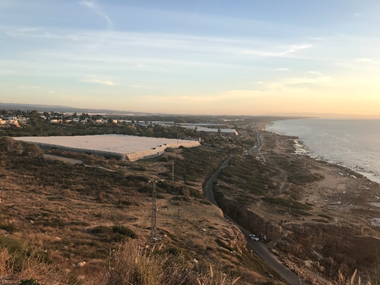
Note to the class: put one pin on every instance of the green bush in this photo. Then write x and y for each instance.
(29, 282)
(121, 232)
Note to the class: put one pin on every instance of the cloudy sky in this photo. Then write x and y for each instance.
(246, 57)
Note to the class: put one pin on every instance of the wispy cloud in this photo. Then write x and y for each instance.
(367, 60)
(104, 82)
(364, 64)
(159, 44)
(296, 83)
(96, 9)
(282, 69)
(29, 87)
(317, 73)
(284, 52)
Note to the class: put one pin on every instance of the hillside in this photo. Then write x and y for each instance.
(317, 217)
(81, 222)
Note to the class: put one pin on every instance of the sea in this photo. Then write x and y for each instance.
(351, 143)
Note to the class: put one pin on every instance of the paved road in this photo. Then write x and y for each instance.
(258, 247)
(208, 187)
(257, 147)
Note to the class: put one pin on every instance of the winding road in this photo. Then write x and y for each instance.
(260, 248)
(257, 147)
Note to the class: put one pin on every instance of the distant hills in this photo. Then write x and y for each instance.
(68, 109)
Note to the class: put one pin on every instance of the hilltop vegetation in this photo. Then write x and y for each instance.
(64, 224)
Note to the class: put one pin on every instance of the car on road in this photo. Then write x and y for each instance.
(254, 237)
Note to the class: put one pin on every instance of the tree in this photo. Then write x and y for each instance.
(219, 132)
(149, 132)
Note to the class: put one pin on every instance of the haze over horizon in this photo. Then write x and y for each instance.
(194, 57)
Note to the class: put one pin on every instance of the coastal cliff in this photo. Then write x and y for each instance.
(317, 217)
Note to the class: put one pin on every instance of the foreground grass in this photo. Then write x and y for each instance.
(130, 263)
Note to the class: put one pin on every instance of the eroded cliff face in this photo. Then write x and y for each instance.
(234, 238)
(316, 216)
(247, 218)
(330, 247)
(326, 248)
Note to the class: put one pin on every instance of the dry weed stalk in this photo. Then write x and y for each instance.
(343, 281)
(132, 264)
(5, 264)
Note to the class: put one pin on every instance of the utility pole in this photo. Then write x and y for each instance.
(153, 233)
(172, 170)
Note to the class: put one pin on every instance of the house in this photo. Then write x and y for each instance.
(55, 121)
(76, 120)
(101, 121)
(68, 121)
(22, 120)
(12, 121)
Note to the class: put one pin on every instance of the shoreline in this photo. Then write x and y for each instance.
(303, 148)
(300, 148)
(338, 208)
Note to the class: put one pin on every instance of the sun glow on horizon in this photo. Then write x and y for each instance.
(192, 58)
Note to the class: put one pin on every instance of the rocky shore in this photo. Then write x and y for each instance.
(319, 218)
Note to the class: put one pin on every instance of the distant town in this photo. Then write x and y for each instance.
(17, 123)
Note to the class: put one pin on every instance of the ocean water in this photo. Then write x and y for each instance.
(351, 143)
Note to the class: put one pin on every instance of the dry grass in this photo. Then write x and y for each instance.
(134, 264)
(353, 280)
(30, 265)
(77, 213)
(130, 263)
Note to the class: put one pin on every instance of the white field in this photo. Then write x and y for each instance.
(109, 143)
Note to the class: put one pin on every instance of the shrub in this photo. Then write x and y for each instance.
(8, 228)
(121, 232)
(29, 282)
(174, 251)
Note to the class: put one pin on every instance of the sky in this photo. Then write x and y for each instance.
(240, 57)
